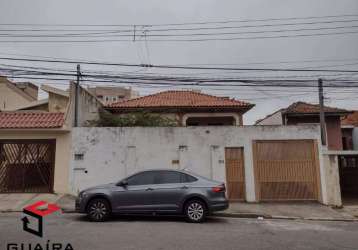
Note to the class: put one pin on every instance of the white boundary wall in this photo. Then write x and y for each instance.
(355, 138)
(110, 154)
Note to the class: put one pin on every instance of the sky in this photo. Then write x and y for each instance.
(325, 52)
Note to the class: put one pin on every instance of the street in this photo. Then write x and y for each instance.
(175, 233)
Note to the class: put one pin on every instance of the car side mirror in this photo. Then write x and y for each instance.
(122, 183)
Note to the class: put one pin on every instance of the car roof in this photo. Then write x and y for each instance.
(165, 169)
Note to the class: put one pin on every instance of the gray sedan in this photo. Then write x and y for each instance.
(155, 192)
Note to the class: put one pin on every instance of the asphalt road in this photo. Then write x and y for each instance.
(174, 233)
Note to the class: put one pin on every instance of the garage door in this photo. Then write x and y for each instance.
(27, 166)
(286, 170)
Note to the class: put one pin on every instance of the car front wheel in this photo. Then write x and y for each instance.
(98, 210)
(195, 211)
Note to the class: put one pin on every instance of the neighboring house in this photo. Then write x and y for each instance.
(14, 95)
(306, 113)
(349, 125)
(113, 94)
(35, 142)
(57, 98)
(89, 106)
(64, 102)
(188, 108)
(57, 101)
(34, 152)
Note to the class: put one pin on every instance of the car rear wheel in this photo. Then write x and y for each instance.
(98, 210)
(195, 211)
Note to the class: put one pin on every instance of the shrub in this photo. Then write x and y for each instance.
(137, 119)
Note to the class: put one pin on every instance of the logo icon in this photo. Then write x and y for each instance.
(38, 210)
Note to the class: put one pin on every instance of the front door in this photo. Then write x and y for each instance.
(235, 178)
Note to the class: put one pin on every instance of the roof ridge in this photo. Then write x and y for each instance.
(137, 98)
(113, 105)
(295, 105)
(29, 112)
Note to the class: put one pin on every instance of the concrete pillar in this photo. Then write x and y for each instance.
(249, 174)
(333, 188)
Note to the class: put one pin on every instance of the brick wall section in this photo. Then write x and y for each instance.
(333, 125)
(207, 121)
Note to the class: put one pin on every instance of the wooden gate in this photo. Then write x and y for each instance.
(235, 178)
(27, 166)
(286, 170)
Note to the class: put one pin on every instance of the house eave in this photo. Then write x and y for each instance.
(27, 130)
(317, 114)
(180, 109)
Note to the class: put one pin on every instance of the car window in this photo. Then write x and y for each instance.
(188, 178)
(165, 177)
(144, 178)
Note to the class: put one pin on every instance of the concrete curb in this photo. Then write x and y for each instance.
(279, 217)
(235, 215)
(68, 211)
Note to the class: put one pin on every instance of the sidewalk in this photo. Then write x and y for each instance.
(288, 210)
(16, 202)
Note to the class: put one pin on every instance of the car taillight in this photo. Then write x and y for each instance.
(219, 189)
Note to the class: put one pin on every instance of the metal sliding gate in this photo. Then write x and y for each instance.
(27, 166)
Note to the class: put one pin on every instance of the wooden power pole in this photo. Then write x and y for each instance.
(321, 113)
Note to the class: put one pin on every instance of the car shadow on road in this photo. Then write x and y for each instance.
(149, 218)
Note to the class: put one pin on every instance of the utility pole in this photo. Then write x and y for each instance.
(77, 89)
(321, 113)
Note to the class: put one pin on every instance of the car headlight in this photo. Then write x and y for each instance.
(82, 195)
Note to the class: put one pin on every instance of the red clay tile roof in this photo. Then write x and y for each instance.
(26, 120)
(351, 119)
(180, 99)
(308, 108)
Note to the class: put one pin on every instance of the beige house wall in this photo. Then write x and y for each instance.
(63, 152)
(88, 107)
(9, 99)
(43, 107)
(57, 103)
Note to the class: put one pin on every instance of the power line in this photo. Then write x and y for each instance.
(183, 23)
(176, 35)
(239, 83)
(20, 70)
(147, 29)
(181, 40)
(207, 64)
(178, 67)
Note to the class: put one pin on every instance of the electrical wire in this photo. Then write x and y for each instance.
(178, 67)
(183, 23)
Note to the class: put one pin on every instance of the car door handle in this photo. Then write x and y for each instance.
(184, 187)
(149, 189)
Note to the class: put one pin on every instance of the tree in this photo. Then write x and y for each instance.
(136, 119)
